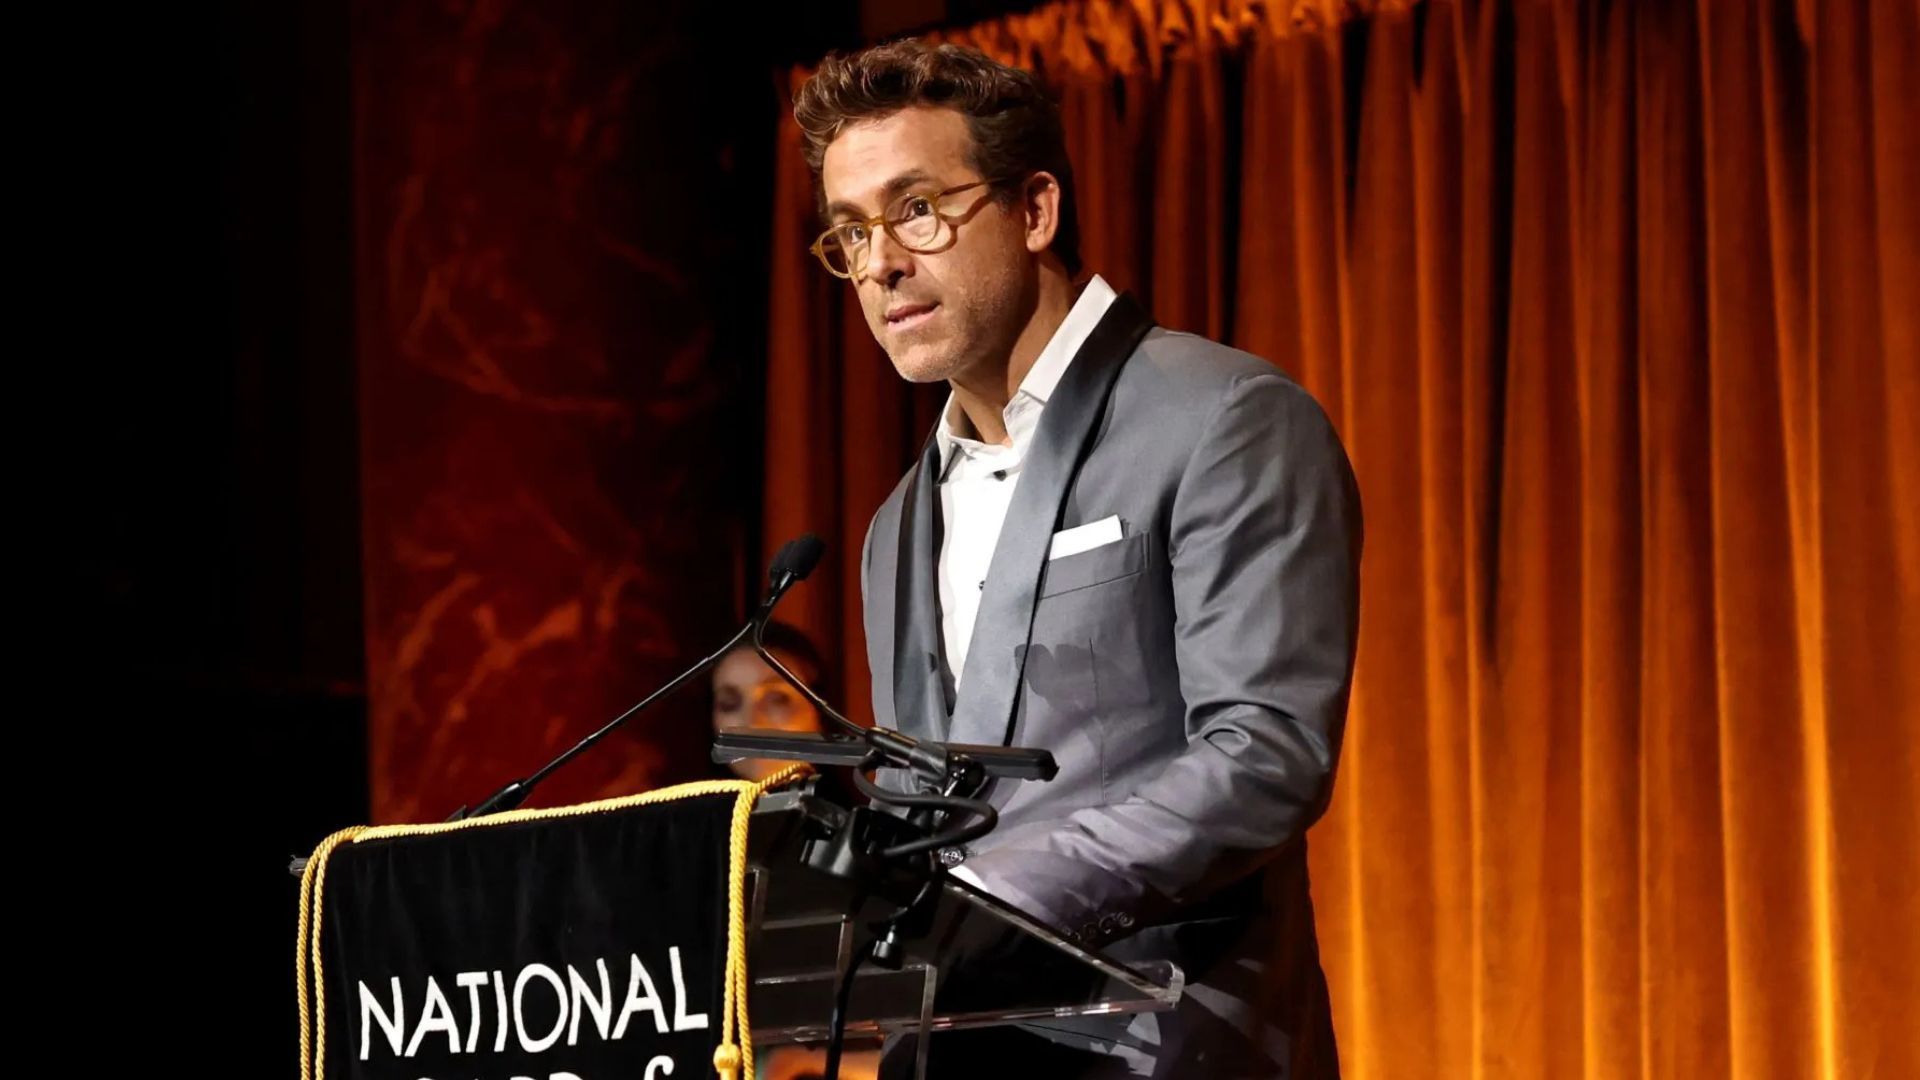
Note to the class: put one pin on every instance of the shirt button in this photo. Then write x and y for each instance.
(999, 474)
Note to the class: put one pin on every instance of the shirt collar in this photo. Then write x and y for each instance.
(1022, 413)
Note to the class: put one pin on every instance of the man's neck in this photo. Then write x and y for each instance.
(982, 394)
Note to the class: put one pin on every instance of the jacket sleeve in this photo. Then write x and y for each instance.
(1264, 547)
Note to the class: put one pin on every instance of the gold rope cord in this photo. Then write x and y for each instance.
(732, 1059)
(311, 881)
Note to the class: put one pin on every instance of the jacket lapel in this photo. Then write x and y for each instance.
(919, 695)
(996, 656)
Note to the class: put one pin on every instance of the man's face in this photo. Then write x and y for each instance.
(940, 313)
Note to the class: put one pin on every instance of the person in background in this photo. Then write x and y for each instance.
(749, 694)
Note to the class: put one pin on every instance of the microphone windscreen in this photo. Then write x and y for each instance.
(797, 558)
(806, 555)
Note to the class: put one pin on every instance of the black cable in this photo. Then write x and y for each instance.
(919, 898)
(986, 817)
(837, 1021)
(837, 1024)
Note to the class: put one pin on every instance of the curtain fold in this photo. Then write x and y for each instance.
(1617, 308)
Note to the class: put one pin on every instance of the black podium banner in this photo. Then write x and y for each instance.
(582, 944)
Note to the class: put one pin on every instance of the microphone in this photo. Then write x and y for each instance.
(795, 560)
(791, 565)
(930, 760)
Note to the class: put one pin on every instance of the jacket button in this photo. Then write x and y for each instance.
(1089, 933)
(951, 856)
(1124, 920)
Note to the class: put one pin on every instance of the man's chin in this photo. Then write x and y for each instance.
(918, 364)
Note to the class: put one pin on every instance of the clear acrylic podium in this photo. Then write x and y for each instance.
(973, 962)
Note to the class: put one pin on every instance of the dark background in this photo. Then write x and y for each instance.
(235, 451)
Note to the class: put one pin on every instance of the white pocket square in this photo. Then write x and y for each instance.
(1084, 537)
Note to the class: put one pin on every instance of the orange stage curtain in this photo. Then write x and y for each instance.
(1617, 307)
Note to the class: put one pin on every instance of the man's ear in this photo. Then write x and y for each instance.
(1040, 210)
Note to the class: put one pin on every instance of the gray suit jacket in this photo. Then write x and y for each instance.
(1190, 679)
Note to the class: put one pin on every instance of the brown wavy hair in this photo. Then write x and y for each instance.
(1013, 120)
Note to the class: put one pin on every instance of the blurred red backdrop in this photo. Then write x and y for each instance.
(1617, 307)
(555, 501)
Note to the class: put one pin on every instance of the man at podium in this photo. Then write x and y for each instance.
(1135, 548)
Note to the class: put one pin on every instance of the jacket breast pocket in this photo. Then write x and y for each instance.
(1108, 562)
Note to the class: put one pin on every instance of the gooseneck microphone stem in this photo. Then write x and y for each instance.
(812, 695)
(794, 562)
(516, 793)
(931, 761)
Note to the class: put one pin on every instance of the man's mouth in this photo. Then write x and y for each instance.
(907, 316)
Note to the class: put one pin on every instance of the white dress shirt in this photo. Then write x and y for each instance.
(977, 479)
